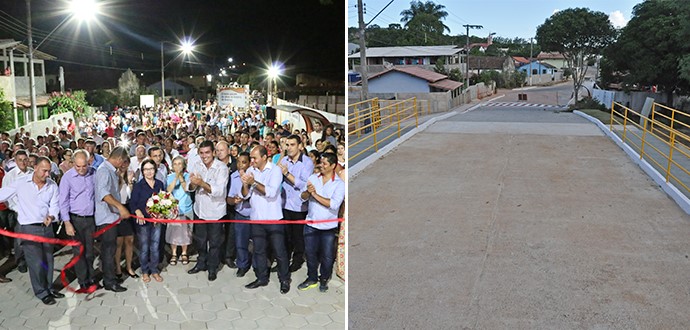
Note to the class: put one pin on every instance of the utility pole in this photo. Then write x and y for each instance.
(530, 59)
(467, 52)
(362, 52)
(32, 80)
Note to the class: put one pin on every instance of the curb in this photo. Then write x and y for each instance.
(668, 187)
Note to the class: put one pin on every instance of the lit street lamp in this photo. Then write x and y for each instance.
(273, 72)
(83, 10)
(187, 47)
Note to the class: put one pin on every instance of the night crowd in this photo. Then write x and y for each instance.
(81, 177)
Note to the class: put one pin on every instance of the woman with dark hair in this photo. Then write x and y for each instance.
(148, 233)
(66, 163)
(328, 135)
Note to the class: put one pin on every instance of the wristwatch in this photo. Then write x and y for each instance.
(253, 184)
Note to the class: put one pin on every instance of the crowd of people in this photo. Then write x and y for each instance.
(218, 165)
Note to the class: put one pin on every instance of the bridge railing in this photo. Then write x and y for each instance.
(659, 139)
(374, 123)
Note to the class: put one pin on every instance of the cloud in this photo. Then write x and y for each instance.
(617, 19)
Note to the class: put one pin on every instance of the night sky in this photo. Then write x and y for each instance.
(306, 35)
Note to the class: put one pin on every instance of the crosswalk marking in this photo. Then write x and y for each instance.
(522, 104)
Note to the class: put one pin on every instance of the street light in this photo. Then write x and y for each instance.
(273, 72)
(467, 49)
(229, 59)
(80, 9)
(187, 47)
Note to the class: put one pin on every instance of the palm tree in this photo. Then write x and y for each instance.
(425, 17)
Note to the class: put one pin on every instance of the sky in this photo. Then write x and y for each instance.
(255, 32)
(508, 18)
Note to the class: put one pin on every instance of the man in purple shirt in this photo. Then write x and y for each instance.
(76, 211)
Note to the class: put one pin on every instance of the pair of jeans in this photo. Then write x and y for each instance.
(320, 250)
(39, 259)
(262, 235)
(243, 232)
(84, 228)
(149, 237)
(228, 249)
(294, 236)
(208, 238)
(108, 246)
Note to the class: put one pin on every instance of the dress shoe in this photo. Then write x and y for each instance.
(295, 267)
(323, 286)
(256, 284)
(48, 300)
(116, 288)
(307, 284)
(57, 295)
(133, 275)
(22, 268)
(284, 287)
(242, 271)
(212, 276)
(4, 279)
(230, 263)
(195, 270)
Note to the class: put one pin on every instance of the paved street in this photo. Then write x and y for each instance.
(182, 301)
(514, 218)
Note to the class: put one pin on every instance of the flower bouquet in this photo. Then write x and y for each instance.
(162, 206)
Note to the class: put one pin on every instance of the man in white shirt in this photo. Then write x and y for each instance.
(209, 178)
(37, 206)
(261, 185)
(316, 134)
(135, 162)
(21, 158)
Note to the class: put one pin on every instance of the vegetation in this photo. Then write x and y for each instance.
(129, 88)
(74, 102)
(588, 103)
(101, 97)
(503, 79)
(425, 17)
(577, 33)
(652, 49)
(6, 113)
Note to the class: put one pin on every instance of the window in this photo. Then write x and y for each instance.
(38, 71)
(543, 71)
(19, 69)
(535, 71)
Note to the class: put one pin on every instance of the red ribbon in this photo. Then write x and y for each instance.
(72, 242)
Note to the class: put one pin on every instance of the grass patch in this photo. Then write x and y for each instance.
(603, 116)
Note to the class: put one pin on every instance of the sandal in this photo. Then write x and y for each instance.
(145, 278)
(157, 277)
(173, 260)
(184, 258)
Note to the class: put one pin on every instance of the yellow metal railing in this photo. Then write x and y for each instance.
(375, 121)
(659, 139)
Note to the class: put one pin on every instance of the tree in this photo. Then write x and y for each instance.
(74, 102)
(425, 17)
(128, 86)
(455, 75)
(576, 33)
(653, 48)
(440, 67)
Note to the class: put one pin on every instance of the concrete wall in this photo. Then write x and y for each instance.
(371, 69)
(545, 78)
(22, 86)
(331, 103)
(7, 86)
(399, 82)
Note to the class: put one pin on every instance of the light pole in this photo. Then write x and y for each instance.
(82, 10)
(531, 45)
(187, 47)
(273, 73)
(467, 51)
